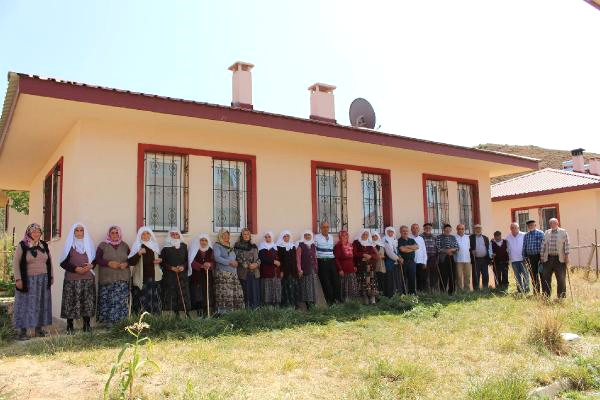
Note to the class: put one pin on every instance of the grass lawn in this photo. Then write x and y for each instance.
(478, 346)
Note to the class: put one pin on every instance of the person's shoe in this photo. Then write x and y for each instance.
(70, 329)
(39, 332)
(22, 336)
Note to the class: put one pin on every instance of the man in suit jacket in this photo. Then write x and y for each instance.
(555, 257)
(480, 256)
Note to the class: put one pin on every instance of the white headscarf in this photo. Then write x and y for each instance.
(360, 239)
(194, 248)
(82, 246)
(265, 245)
(379, 241)
(152, 244)
(307, 242)
(281, 243)
(170, 242)
(393, 241)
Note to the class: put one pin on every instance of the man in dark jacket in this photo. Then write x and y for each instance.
(480, 256)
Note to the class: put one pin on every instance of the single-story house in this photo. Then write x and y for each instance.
(570, 196)
(106, 156)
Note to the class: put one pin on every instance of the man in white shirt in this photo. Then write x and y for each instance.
(420, 259)
(462, 258)
(514, 242)
(328, 274)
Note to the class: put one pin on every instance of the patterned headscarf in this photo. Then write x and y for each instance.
(220, 238)
(109, 240)
(27, 239)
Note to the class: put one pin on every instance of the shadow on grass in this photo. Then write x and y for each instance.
(243, 322)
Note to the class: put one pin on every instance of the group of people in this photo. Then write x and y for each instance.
(215, 279)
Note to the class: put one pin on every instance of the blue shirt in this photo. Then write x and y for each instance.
(324, 246)
(533, 243)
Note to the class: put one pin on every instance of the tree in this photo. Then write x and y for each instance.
(19, 201)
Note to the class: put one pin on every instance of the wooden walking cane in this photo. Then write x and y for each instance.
(207, 296)
(181, 293)
(569, 279)
(494, 271)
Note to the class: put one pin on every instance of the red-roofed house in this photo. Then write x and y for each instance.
(107, 156)
(571, 197)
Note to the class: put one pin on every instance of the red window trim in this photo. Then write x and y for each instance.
(475, 206)
(513, 211)
(58, 164)
(250, 175)
(386, 190)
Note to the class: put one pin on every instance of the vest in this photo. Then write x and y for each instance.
(307, 261)
(108, 275)
(501, 252)
(23, 265)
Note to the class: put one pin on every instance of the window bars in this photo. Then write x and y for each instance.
(332, 199)
(522, 218)
(437, 204)
(230, 195)
(546, 214)
(465, 205)
(372, 193)
(166, 189)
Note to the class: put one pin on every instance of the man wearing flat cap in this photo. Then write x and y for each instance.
(533, 243)
(481, 255)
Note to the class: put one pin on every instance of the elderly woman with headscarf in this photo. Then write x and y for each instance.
(365, 260)
(270, 271)
(32, 269)
(306, 261)
(344, 261)
(248, 268)
(144, 256)
(228, 290)
(175, 266)
(113, 277)
(380, 272)
(393, 263)
(201, 262)
(79, 286)
(290, 285)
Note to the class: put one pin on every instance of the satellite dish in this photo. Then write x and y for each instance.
(362, 114)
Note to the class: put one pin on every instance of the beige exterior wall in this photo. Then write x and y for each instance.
(100, 175)
(17, 222)
(579, 211)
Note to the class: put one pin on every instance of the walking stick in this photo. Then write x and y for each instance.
(569, 279)
(402, 276)
(494, 271)
(440, 275)
(207, 296)
(181, 293)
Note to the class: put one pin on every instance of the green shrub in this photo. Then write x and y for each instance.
(584, 374)
(546, 333)
(585, 322)
(506, 388)
(7, 330)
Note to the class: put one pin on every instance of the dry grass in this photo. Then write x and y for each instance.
(441, 349)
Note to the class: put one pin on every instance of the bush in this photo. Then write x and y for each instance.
(584, 375)
(507, 388)
(7, 330)
(546, 333)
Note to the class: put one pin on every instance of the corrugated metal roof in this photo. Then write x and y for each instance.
(544, 180)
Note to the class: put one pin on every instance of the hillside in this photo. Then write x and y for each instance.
(549, 158)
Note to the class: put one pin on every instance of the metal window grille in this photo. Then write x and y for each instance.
(51, 203)
(166, 189)
(546, 214)
(522, 218)
(465, 204)
(230, 195)
(332, 198)
(372, 201)
(437, 204)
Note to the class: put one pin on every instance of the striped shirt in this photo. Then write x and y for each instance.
(446, 242)
(324, 246)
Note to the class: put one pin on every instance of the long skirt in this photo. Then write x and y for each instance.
(147, 298)
(307, 288)
(198, 297)
(113, 302)
(270, 289)
(228, 292)
(33, 308)
(172, 296)
(349, 286)
(291, 293)
(367, 284)
(78, 299)
(252, 291)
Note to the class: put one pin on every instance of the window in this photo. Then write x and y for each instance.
(331, 198)
(437, 204)
(166, 191)
(546, 214)
(53, 202)
(465, 205)
(230, 195)
(372, 192)
(522, 216)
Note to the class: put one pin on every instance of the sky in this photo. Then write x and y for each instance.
(461, 72)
